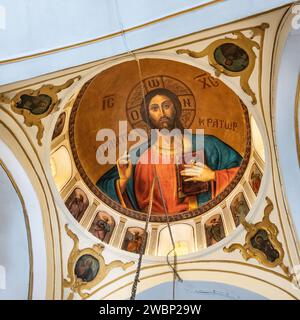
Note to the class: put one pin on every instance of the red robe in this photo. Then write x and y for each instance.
(144, 174)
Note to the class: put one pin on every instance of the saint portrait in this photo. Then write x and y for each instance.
(255, 178)
(59, 126)
(77, 203)
(239, 208)
(261, 242)
(37, 105)
(232, 57)
(133, 240)
(103, 226)
(214, 230)
(205, 122)
(86, 268)
(129, 184)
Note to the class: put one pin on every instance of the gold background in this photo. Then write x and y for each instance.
(216, 102)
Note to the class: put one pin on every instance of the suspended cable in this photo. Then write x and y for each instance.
(175, 273)
(143, 246)
(156, 179)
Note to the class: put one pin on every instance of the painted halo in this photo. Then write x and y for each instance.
(116, 95)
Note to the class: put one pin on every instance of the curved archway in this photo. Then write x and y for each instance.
(286, 78)
(45, 266)
(199, 290)
(16, 250)
(257, 280)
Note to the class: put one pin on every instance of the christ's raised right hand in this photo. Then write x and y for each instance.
(124, 166)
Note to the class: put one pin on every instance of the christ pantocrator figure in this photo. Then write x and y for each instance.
(129, 183)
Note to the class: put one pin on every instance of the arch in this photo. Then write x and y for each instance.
(258, 280)
(285, 110)
(29, 176)
(35, 229)
(61, 166)
(253, 111)
(198, 290)
(16, 249)
(102, 226)
(184, 239)
(214, 229)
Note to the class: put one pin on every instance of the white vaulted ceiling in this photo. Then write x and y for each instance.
(70, 33)
(43, 36)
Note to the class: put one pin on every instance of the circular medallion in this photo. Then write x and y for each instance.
(171, 95)
(232, 57)
(86, 268)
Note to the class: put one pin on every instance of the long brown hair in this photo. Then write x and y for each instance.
(162, 92)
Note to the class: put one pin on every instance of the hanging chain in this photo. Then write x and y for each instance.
(174, 268)
(142, 248)
(156, 178)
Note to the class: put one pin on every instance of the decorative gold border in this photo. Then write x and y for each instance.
(248, 251)
(202, 270)
(140, 215)
(44, 191)
(4, 99)
(112, 35)
(27, 225)
(195, 262)
(90, 65)
(36, 120)
(272, 138)
(240, 40)
(76, 284)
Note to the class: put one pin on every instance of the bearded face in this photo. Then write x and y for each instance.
(162, 112)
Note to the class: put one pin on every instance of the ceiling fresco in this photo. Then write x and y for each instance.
(190, 99)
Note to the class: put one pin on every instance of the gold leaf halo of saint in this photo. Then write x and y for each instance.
(136, 98)
(117, 94)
